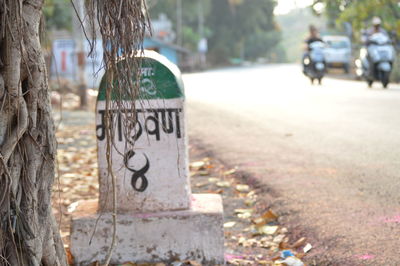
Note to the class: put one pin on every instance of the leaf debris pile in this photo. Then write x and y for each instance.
(77, 174)
(253, 235)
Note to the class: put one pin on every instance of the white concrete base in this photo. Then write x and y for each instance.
(195, 234)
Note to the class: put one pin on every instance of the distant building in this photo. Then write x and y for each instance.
(174, 53)
(64, 62)
(162, 29)
(162, 40)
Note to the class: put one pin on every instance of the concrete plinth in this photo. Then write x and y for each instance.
(194, 234)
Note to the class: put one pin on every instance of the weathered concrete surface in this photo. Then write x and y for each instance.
(195, 234)
(160, 151)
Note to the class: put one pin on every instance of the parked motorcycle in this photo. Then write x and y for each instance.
(314, 63)
(376, 60)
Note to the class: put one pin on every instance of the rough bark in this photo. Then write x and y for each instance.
(28, 231)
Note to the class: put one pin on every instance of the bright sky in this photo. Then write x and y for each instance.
(285, 6)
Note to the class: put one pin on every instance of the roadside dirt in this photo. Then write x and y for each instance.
(254, 233)
(259, 235)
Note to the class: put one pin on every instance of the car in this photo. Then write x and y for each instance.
(337, 52)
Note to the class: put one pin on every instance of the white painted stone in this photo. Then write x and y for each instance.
(158, 218)
(194, 234)
(163, 149)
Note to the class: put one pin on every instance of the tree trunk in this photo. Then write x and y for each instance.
(29, 234)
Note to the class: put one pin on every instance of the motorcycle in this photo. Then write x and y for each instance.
(314, 63)
(376, 60)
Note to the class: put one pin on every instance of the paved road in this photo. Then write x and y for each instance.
(331, 153)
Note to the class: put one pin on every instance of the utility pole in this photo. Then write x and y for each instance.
(200, 14)
(202, 44)
(80, 51)
(179, 22)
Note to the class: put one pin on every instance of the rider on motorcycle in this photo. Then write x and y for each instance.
(376, 58)
(313, 37)
(376, 28)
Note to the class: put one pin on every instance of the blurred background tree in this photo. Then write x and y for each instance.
(332, 10)
(360, 13)
(236, 30)
(245, 30)
(58, 14)
(295, 33)
(190, 18)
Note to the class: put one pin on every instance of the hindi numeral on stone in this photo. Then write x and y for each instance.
(138, 175)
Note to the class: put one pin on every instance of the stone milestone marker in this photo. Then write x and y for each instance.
(158, 217)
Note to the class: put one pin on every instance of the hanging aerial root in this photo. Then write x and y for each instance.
(122, 24)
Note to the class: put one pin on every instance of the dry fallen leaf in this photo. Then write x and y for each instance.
(229, 224)
(244, 213)
(229, 172)
(223, 184)
(250, 202)
(264, 262)
(278, 239)
(241, 240)
(218, 191)
(201, 184)
(267, 217)
(251, 194)
(70, 258)
(268, 229)
(213, 180)
(283, 230)
(197, 165)
(203, 173)
(250, 243)
(242, 188)
(299, 243)
(241, 262)
(284, 244)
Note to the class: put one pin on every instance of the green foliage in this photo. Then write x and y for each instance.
(190, 20)
(260, 44)
(221, 44)
(294, 33)
(242, 29)
(58, 14)
(333, 9)
(235, 28)
(395, 76)
(48, 8)
(360, 13)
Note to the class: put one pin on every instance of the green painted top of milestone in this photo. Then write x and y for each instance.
(159, 79)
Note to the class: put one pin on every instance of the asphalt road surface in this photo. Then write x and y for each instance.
(330, 153)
